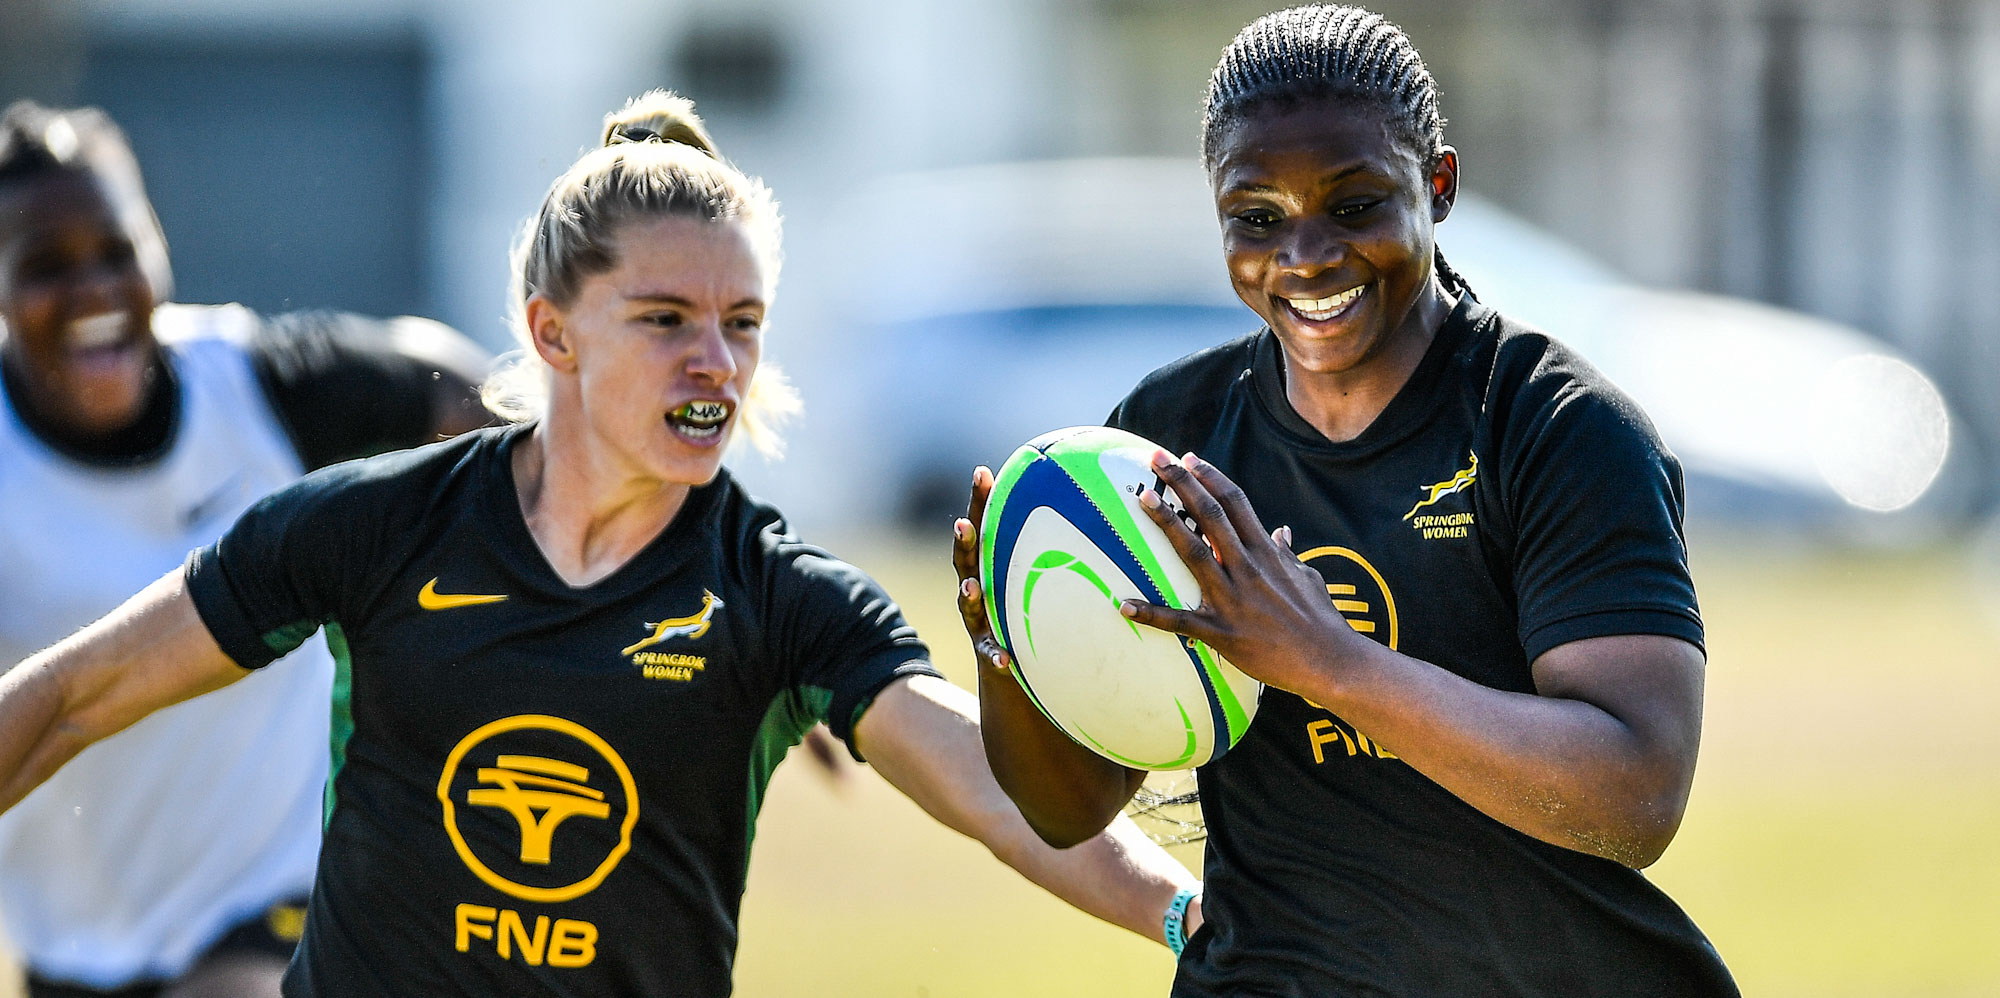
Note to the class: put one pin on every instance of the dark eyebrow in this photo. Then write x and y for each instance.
(677, 300)
(1337, 177)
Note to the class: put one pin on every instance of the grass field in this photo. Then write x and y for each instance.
(1839, 842)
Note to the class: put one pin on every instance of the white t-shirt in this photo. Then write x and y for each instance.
(136, 856)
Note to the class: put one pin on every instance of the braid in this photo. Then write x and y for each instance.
(1453, 281)
(1325, 51)
(1328, 52)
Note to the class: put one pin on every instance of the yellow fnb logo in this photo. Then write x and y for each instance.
(691, 626)
(550, 806)
(563, 942)
(1358, 591)
(1362, 596)
(540, 794)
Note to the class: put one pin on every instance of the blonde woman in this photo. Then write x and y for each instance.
(571, 650)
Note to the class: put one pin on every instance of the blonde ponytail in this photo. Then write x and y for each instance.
(657, 159)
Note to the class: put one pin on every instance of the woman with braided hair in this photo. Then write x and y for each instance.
(1462, 758)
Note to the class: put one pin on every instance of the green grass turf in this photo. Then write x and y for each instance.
(1839, 842)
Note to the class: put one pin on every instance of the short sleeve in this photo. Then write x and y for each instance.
(274, 577)
(841, 638)
(314, 366)
(1597, 505)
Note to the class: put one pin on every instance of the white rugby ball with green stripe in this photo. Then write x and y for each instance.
(1063, 543)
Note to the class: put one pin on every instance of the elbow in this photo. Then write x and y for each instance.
(1653, 829)
(1064, 834)
(1062, 812)
(1648, 804)
(1062, 819)
(1641, 830)
(1638, 843)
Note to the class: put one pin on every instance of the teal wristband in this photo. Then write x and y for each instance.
(1175, 924)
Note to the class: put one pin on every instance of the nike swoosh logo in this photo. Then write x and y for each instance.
(200, 512)
(430, 599)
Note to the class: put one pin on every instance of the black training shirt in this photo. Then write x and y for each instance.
(540, 789)
(1508, 500)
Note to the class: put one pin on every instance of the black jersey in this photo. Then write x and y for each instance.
(1506, 501)
(538, 788)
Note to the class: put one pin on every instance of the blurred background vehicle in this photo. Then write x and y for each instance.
(1772, 221)
(1043, 290)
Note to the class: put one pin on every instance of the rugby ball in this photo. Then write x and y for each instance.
(1063, 543)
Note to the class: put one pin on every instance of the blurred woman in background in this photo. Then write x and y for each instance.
(174, 858)
(570, 651)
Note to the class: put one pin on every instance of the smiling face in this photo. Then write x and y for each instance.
(1327, 219)
(653, 359)
(77, 303)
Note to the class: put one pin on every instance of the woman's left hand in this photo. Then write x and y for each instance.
(1261, 608)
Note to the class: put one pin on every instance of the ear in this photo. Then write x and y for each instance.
(548, 330)
(1444, 184)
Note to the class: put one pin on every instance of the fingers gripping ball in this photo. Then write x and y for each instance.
(1063, 542)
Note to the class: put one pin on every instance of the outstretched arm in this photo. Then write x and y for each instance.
(1066, 792)
(1599, 759)
(922, 735)
(420, 379)
(152, 652)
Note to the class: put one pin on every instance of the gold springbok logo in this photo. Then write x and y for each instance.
(693, 625)
(1458, 482)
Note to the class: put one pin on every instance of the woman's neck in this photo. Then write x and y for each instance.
(141, 439)
(588, 514)
(1341, 405)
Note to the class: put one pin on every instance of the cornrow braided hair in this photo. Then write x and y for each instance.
(1335, 53)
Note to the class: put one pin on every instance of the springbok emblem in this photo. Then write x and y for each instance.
(1465, 476)
(693, 625)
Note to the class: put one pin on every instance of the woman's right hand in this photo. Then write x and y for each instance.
(1067, 792)
(986, 648)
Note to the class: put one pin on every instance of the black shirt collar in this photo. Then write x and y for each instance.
(143, 441)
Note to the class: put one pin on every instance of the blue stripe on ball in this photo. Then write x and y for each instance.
(1044, 483)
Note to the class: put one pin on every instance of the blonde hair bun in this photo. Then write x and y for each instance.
(658, 116)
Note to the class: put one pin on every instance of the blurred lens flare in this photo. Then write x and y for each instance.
(1879, 431)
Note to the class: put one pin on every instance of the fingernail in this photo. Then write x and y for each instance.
(1149, 499)
(1128, 609)
(1162, 460)
(1188, 460)
(965, 587)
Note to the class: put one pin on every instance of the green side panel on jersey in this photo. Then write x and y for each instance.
(342, 726)
(284, 640)
(1083, 463)
(792, 713)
